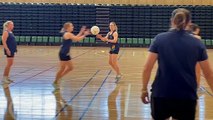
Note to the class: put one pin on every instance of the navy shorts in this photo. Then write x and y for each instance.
(64, 57)
(181, 109)
(9, 56)
(114, 49)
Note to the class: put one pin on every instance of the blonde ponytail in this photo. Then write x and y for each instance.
(5, 25)
(180, 18)
(180, 21)
(65, 26)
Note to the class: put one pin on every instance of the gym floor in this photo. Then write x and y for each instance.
(89, 92)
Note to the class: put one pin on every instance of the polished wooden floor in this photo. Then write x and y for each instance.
(88, 93)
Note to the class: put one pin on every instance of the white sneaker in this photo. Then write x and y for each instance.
(118, 77)
(10, 80)
(5, 80)
(56, 86)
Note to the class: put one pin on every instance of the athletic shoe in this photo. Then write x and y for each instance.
(56, 86)
(118, 77)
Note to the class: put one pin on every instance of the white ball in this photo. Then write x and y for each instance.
(95, 30)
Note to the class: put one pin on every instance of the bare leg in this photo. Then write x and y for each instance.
(115, 64)
(8, 67)
(65, 67)
(111, 61)
(69, 67)
(60, 71)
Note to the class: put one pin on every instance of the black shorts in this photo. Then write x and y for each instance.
(11, 55)
(114, 49)
(64, 57)
(176, 108)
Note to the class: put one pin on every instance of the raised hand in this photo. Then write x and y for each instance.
(83, 28)
(87, 32)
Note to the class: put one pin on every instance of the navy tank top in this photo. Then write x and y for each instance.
(11, 42)
(65, 47)
(110, 37)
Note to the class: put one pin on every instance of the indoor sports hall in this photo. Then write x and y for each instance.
(91, 89)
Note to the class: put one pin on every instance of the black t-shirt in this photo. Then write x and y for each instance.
(178, 52)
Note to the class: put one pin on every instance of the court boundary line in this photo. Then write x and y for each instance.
(99, 90)
(93, 98)
(86, 110)
(22, 72)
(206, 91)
(70, 101)
(32, 76)
(47, 69)
(127, 101)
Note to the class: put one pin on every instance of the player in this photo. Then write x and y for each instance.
(10, 48)
(174, 90)
(112, 39)
(66, 64)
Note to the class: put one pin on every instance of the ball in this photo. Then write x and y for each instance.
(95, 30)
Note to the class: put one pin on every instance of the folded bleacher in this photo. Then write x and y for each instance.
(40, 23)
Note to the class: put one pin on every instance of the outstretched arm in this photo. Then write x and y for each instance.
(81, 32)
(76, 37)
(99, 36)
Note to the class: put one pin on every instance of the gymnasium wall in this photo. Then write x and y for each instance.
(139, 2)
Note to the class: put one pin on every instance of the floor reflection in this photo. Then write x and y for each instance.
(31, 97)
(116, 103)
(9, 112)
(63, 109)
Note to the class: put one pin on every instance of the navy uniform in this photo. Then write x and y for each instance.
(11, 44)
(174, 88)
(114, 47)
(64, 53)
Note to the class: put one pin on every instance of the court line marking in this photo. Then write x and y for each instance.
(71, 99)
(32, 76)
(47, 69)
(85, 111)
(209, 93)
(204, 88)
(22, 72)
(90, 103)
(127, 101)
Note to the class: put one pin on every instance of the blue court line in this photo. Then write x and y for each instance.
(22, 72)
(47, 69)
(207, 91)
(32, 76)
(90, 103)
(70, 101)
